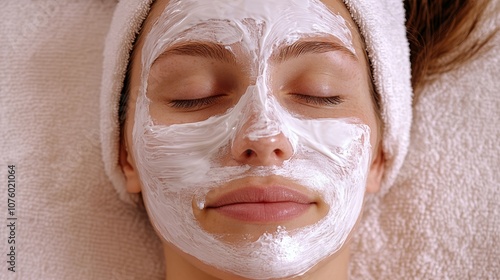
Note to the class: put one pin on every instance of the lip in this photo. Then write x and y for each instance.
(262, 204)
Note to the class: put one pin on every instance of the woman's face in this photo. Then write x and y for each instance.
(251, 129)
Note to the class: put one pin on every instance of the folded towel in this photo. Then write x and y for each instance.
(126, 23)
(382, 25)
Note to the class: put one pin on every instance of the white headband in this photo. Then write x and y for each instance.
(382, 25)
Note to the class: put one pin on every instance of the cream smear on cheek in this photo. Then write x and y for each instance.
(179, 163)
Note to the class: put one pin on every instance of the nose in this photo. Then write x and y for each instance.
(261, 151)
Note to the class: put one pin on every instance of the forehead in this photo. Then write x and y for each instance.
(222, 21)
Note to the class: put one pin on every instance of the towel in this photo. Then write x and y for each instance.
(441, 219)
(127, 21)
(438, 221)
(70, 222)
(382, 25)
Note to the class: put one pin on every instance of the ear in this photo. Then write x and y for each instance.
(133, 184)
(376, 172)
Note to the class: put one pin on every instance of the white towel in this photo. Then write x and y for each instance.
(440, 220)
(71, 224)
(127, 20)
(382, 25)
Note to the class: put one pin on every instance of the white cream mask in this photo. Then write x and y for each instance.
(178, 164)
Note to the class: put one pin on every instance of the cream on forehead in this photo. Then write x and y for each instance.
(178, 163)
(237, 21)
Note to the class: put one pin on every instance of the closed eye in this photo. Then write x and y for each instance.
(319, 101)
(194, 104)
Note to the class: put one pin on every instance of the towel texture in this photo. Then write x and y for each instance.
(126, 23)
(382, 25)
(71, 225)
(440, 220)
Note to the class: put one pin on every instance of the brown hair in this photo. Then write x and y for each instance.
(435, 28)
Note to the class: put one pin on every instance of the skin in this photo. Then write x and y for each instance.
(322, 73)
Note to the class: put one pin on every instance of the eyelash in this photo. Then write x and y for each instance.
(207, 101)
(194, 103)
(321, 101)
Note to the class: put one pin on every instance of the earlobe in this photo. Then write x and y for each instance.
(376, 173)
(133, 184)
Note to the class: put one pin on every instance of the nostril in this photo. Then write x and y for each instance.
(263, 151)
(248, 152)
(279, 152)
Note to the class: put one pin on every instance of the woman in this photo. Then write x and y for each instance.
(253, 128)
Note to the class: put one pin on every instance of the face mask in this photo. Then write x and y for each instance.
(180, 163)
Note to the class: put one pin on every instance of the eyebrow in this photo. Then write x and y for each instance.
(306, 47)
(202, 49)
(219, 52)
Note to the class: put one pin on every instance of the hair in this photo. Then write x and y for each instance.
(434, 29)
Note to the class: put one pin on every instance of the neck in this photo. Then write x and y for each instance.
(181, 266)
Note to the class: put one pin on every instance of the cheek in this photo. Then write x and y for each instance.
(375, 130)
(374, 140)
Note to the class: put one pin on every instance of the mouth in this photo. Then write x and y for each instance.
(262, 204)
